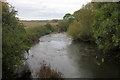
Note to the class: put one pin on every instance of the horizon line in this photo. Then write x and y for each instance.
(38, 19)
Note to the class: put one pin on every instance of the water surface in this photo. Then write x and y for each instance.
(72, 59)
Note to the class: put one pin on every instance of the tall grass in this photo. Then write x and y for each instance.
(34, 33)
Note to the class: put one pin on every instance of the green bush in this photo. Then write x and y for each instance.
(64, 24)
(50, 27)
(106, 27)
(14, 41)
(34, 33)
(81, 26)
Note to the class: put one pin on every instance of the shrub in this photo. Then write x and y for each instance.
(14, 41)
(81, 26)
(107, 28)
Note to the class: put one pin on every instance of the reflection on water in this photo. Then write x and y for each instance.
(72, 59)
(83, 55)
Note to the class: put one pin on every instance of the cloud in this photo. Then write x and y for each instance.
(45, 9)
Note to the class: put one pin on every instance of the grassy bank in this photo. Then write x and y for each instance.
(34, 33)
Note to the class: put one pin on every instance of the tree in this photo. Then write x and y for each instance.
(81, 26)
(67, 16)
(64, 24)
(106, 29)
(49, 27)
(14, 41)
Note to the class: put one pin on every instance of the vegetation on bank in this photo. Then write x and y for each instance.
(99, 23)
(106, 28)
(17, 40)
(14, 41)
(34, 33)
(64, 24)
(80, 28)
(47, 72)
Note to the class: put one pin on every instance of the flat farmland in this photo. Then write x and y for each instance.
(36, 23)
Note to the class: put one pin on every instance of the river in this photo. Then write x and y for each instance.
(72, 59)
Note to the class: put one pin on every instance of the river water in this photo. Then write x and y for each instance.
(72, 59)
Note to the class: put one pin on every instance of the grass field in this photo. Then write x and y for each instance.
(36, 29)
(35, 23)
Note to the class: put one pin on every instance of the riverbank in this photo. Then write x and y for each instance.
(34, 33)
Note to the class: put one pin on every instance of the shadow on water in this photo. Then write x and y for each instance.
(84, 54)
(23, 72)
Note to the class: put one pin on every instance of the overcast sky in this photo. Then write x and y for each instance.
(45, 9)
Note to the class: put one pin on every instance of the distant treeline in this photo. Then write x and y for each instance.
(97, 22)
(54, 20)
